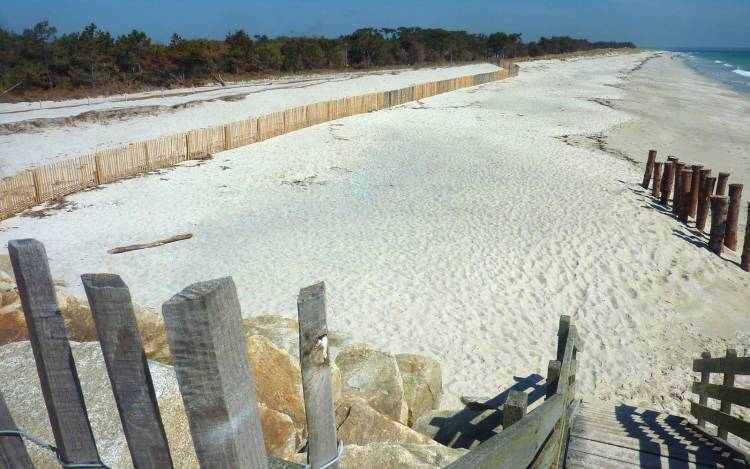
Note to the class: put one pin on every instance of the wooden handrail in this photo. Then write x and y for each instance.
(520, 444)
(735, 365)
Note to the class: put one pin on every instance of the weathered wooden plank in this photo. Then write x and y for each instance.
(518, 445)
(13, 453)
(736, 365)
(642, 458)
(112, 309)
(705, 379)
(204, 331)
(734, 395)
(581, 460)
(317, 386)
(731, 424)
(737, 453)
(54, 360)
(695, 450)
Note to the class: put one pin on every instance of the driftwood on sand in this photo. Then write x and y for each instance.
(161, 242)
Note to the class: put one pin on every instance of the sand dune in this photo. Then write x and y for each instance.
(460, 227)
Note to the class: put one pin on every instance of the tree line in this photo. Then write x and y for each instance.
(38, 61)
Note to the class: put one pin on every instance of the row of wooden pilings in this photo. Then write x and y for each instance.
(695, 193)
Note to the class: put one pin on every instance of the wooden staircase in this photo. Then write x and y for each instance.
(622, 436)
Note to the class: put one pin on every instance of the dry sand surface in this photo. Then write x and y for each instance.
(460, 227)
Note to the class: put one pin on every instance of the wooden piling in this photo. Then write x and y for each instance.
(733, 216)
(667, 181)
(514, 408)
(695, 189)
(686, 178)
(656, 189)
(205, 335)
(677, 190)
(704, 202)
(745, 262)
(317, 386)
(721, 184)
(719, 208)
(13, 454)
(649, 168)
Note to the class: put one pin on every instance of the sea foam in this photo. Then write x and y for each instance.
(744, 73)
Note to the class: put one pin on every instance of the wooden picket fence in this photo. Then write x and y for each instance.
(49, 182)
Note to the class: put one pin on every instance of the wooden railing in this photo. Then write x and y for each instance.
(49, 182)
(204, 332)
(539, 438)
(726, 393)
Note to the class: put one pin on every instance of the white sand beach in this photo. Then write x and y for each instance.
(459, 227)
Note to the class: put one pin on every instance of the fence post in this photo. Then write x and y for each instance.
(721, 185)
(704, 202)
(677, 189)
(553, 377)
(205, 335)
(112, 309)
(695, 189)
(37, 185)
(656, 189)
(514, 408)
(97, 168)
(13, 453)
(145, 154)
(562, 336)
(719, 205)
(316, 376)
(745, 262)
(187, 145)
(726, 405)
(733, 216)
(705, 379)
(649, 168)
(54, 359)
(227, 137)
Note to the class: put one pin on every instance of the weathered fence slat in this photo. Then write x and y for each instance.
(127, 367)
(720, 392)
(13, 453)
(735, 365)
(316, 376)
(54, 359)
(204, 331)
(705, 379)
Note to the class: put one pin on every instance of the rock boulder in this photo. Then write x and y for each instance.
(423, 383)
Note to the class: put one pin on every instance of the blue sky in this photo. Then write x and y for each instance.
(646, 22)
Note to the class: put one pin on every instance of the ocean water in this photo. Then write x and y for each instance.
(731, 67)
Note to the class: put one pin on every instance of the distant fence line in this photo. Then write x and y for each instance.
(35, 186)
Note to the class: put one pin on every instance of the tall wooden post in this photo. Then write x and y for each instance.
(704, 202)
(204, 331)
(726, 404)
(721, 184)
(668, 181)
(686, 178)
(562, 336)
(695, 189)
(733, 216)
(656, 189)
(54, 359)
(677, 190)
(649, 168)
(128, 370)
(719, 208)
(553, 377)
(316, 376)
(745, 262)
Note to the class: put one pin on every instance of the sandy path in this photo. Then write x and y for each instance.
(459, 227)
